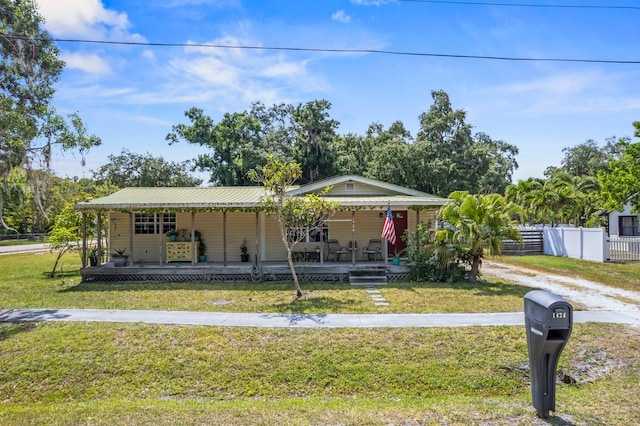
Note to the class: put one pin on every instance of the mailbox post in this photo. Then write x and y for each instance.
(548, 322)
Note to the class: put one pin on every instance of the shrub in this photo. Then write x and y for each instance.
(434, 259)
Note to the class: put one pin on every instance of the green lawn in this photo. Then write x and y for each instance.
(103, 374)
(143, 374)
(24, 284)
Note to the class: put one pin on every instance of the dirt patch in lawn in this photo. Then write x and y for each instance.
(588, 295)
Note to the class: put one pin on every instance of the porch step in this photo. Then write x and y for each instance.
(368, 276)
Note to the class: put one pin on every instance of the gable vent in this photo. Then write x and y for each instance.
(350, 187)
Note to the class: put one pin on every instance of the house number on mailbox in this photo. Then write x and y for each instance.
(559, 315)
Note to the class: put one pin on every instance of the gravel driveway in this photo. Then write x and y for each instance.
(588, 295)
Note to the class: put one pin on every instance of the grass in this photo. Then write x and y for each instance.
(24, 284)
(55, 373)
(621, 275)
(144, 374)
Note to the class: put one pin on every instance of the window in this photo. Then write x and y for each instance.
(628, 226)
(145, 223)
(309, 236)
(296, 234)
(168, 222)
(148, 223)
(350, 187)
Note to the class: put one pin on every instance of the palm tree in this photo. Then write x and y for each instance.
(527, 194)
(479, 221)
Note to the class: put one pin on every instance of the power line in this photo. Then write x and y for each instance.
(557, 6)
(351, 51)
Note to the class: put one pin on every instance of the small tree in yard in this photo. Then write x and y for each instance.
(293, 213)
(476, 221)
(65, 234)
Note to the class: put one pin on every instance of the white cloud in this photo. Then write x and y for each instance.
(283, 69)
(148, 54)
(215, 3)
(370, 2)
(205, 74)
(569, 93)
(559, 83)
(209, 70)
(341, 16)
(149, 119)
(83, 92)
(86, 18)
(89, 63)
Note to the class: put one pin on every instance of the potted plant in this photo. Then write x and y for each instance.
(182, 234)
(197, 235)
(172, 234)
(120, 257)
(202, 251)
(93, 257)
(396, 256)
(244, 251)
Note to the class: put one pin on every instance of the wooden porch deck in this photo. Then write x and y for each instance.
(237, 271)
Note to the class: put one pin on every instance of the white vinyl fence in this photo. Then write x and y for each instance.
(590, 244)
(578, 243)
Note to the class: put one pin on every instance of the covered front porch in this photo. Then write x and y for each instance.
(216, 227)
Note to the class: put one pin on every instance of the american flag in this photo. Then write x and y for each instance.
(388, 230)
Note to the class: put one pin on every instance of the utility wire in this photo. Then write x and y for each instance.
(326, 50)
(557, 6)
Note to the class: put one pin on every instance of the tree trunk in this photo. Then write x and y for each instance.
(296, 283)
(61, 252)
(475, 267)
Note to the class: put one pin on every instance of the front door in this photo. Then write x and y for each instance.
(400, 224)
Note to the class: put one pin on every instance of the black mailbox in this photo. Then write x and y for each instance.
(548, 320)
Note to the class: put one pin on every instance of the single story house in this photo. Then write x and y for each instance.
(224, 217)
(624, 223)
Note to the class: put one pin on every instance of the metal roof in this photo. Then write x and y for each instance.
(213, 197)
(391, 188)
(232, 197)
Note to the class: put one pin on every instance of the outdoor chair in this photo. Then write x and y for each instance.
(373, 249)
(335, 249)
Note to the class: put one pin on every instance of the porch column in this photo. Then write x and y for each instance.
(132, 230)
(193, 238)
(160, 237)
(224, 238)
(256, 257)
(99, 236)
(385, 251)
(417, 217)
(84, 239)
(322, 242)
(353, 237)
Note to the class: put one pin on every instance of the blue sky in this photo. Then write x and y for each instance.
(130, 96)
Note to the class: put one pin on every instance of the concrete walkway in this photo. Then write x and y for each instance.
(302, 320)
(25, 248)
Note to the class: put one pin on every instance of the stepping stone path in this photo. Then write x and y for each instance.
(377, 297)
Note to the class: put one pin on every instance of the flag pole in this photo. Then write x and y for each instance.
(388, 232)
